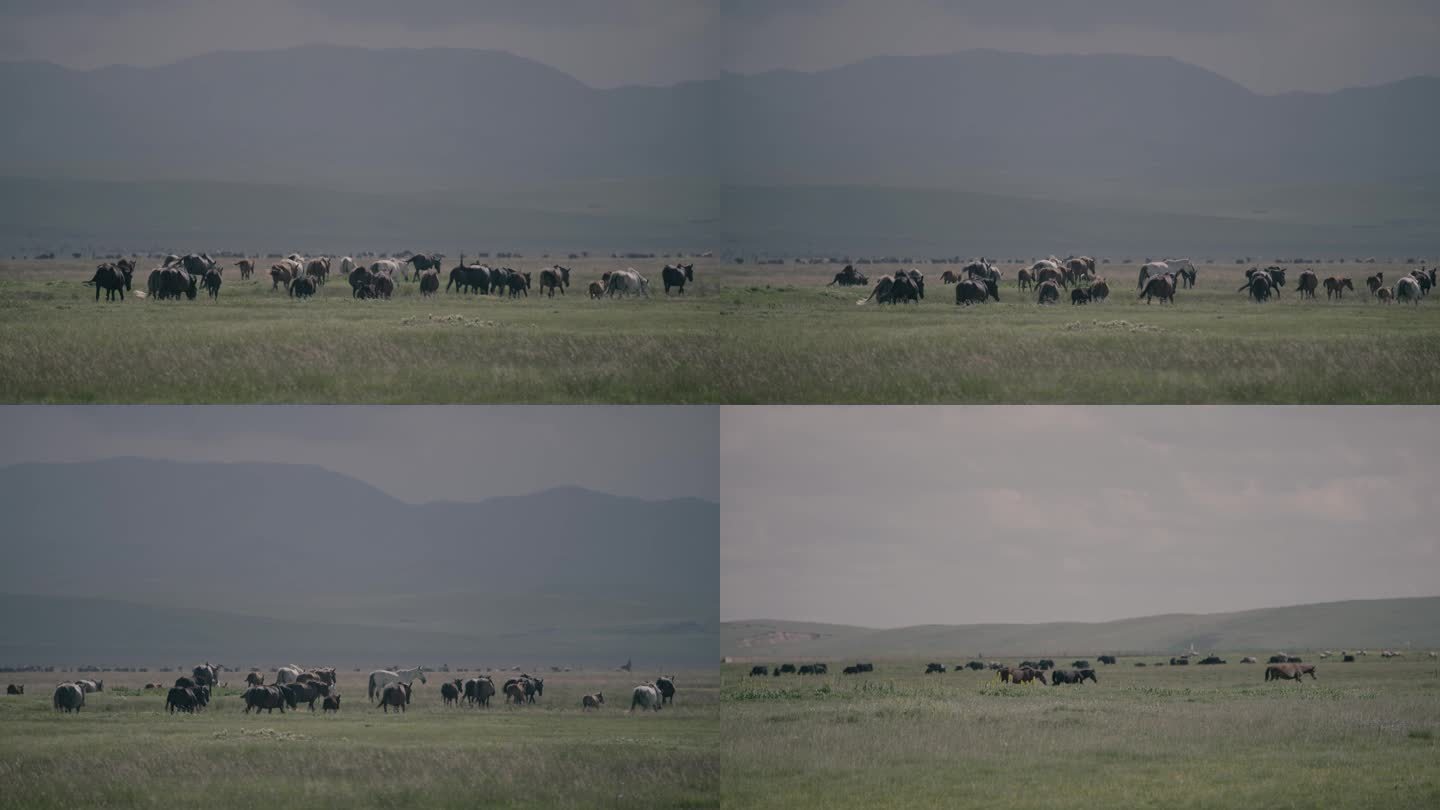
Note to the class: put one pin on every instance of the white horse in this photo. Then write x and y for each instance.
(381, 678)
(646, 696)
(628, 281)
(346, 265)
(1408, 289)
(1151, 269)
(289, 674)
(387, 266)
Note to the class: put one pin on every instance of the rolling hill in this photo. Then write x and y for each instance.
(567, 570)
(1371, 624)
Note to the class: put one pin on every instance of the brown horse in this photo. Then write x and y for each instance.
(515, 693)
(949, 277)
(255, 679)
(594, 701)
(1307, 284)
(1025, 279)
(1289, 672)
(1375, 283)
(1335, 287)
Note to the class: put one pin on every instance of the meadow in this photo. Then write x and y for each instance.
(123, 750)
(743, 333)
(1364, 734)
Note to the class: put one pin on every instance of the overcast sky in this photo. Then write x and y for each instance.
(890, 517)
(417, 454)
(1268, 45)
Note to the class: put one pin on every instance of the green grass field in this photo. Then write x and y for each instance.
(122, 750)
(743, 334)
(1363, 735)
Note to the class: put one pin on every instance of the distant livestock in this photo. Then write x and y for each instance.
(266, 698)
(478, 691)
(450, 692)
(627, 282)
(976, 292)
(15, 689)
(759, 669)
(1335, 287)
(380, 678)
(849, 277)
(1162, 287)
(331, 704)
(594, 701)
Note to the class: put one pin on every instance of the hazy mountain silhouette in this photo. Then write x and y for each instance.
(1368, 624)
(447, 117)
(306, 544)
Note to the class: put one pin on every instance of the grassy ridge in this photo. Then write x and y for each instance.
(1142, 737)
(743, 334)
(124, 751)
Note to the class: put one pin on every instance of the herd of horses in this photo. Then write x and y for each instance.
(185, 276)
(294, 686)
(1279, 667)
(979, 281)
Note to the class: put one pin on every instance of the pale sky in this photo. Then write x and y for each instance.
(1268, 45)
(897, 516)
(415, 453)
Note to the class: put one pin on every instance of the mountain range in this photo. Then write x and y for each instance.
(450, 143)
(582, 575)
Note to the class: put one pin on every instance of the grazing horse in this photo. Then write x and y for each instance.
(68, 698)
(1408, 289)
(515, 692)
(676, 275)
(645, 696)
(1307, 284)
(450, 691)
(849, 277)
(972, 291)
(480, 690)
(597, 290)
(666, 685)
(1173, 267)
(1375, 283)
(429, 282)
(594, 701)
(247, 268)
(1289, 672)
(112, 279)
(397, 694)
(556, 278)
(627, 282)
(381, 678)
(422, 262)
(1025, 279)
(1162, 287)
(266, 698)
(1049, 292)
(331, 704)
(1384, 295)
(1335, 287)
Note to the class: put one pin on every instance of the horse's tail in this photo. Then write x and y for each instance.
(371, 687)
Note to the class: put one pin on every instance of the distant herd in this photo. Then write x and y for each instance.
(178, 277)
(979, 281)
(387, 689)
(1280, 667)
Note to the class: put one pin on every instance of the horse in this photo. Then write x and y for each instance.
(627, 282)
(1175, 267)
(1289, 672)
(594, 701)
(645, 696)
(395, 693)
(556, 278)
(676, 275)
(381, 678)
(450, 691)
(1335, 287)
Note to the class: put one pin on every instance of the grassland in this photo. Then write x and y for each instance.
(122, 750)
(1364, 735)
(742, 334)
